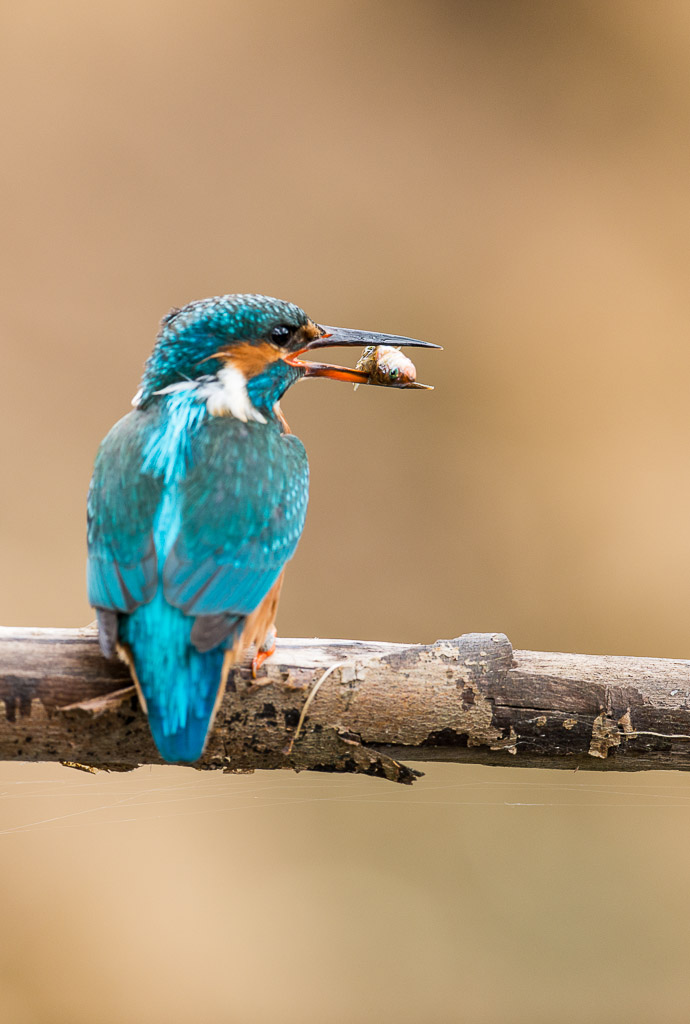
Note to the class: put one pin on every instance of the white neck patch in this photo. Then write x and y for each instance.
(225, 394)
(229, 397)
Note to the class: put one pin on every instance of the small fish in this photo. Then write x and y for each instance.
(389, 367)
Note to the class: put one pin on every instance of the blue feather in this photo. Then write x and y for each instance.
(179, 684)
(243, 506)
(122, 564)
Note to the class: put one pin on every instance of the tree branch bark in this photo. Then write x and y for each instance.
(472, 699)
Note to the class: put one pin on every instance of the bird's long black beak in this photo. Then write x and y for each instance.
(346, 337)
(341, 336)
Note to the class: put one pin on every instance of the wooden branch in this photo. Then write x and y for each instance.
(472, 699)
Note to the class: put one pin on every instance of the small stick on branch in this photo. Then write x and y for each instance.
(472, 699)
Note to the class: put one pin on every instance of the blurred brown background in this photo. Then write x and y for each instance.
(510, 180)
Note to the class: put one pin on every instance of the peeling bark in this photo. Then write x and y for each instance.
(472, 699)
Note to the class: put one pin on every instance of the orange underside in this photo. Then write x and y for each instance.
(258, 625)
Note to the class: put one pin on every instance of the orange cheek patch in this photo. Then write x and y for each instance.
(250, 359)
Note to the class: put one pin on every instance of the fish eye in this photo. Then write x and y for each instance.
(280, 334)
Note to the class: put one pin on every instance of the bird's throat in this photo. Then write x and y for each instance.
(229, 397)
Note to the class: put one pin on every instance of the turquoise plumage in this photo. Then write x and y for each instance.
(198, 500)
(189, 515)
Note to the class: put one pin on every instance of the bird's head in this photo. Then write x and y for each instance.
(249, 348)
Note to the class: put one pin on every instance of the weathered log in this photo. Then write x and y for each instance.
(343, 705)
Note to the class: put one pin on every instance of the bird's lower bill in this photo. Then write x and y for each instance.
(352, 376)
(331, 370)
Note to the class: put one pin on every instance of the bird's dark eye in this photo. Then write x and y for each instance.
(280, 334)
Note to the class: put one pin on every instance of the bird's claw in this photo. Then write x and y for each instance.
(263, 653)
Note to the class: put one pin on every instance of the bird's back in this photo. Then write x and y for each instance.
(192, 518)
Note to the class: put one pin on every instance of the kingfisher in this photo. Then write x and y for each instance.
(197, 501)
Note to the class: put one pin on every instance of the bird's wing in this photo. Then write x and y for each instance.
(242, 508)
(122, 565)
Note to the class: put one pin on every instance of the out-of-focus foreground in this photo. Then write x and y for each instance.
(509, 180)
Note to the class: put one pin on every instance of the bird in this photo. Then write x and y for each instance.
(198, 500)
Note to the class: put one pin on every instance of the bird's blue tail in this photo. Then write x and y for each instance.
(180, 685)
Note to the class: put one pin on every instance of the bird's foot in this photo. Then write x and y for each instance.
(267, 648)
